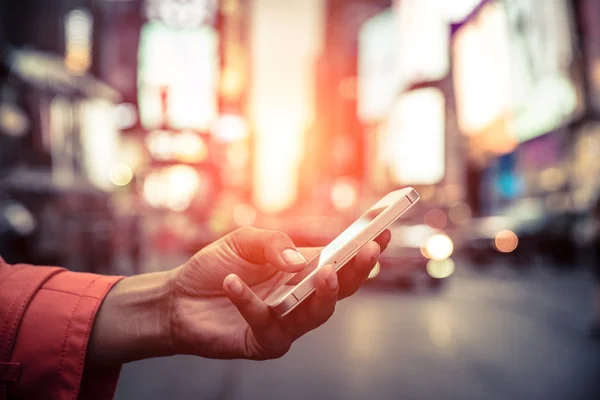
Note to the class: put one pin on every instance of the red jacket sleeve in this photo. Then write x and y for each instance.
(46, 317)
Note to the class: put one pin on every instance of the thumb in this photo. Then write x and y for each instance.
(261, 246)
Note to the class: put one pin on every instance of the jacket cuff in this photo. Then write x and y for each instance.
(55, 332)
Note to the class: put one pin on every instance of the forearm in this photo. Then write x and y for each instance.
(133, 322)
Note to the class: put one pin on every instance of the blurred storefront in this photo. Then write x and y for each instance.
(520, 115)
(585, 148)
(58, 169)
(406, 102)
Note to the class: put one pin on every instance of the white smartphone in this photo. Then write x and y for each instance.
(341, 250)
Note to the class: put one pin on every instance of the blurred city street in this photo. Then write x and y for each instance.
(493, 334)
(136, 133)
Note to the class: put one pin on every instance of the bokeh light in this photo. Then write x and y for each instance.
(244, 215)
(438, 247)
(125, 115)
(189, 147)
(459, 213)
(441, 269)
(230, 128)
(436, 218)
(173, 187)
(506, 241)
(120, 174)
(343, 195)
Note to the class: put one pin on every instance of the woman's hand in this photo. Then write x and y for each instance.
(212, 306)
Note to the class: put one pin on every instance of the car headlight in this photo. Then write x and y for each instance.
(438, 247)
(440, 269)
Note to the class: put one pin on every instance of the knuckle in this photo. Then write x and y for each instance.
(243, 231)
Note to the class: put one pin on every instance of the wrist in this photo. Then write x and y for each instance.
(134, 321)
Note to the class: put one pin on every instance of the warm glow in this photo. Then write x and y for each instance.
(13, 121)
(230, 128)
(343, 195)
(121, 174)
(244, 215)
(99, 138)
(238, 155)
(189, 147)
(347, 88)
(438, 247)
(441, 269)
(186, 146)
(285, 39)
(78, 38)
(172, 187)
(424, 39)
(379, 78)
(436, 218)
(232, 84)
(482, 70)
(506, 241)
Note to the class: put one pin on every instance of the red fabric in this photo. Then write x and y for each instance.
(49, 313)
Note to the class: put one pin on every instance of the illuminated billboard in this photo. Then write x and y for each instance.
(398, 47)
(413, 147)
(424, 40)
(378, 69)
(541, 53)
(481, 76)
(178, 77)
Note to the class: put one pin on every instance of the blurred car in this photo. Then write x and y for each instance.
(499, 236)
(552, 239)
(523, 235)
(480, 245)
(417, 255)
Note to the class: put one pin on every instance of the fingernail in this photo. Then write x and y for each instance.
(331, 278)
(292, 257)
(376, 255)
(234, 284)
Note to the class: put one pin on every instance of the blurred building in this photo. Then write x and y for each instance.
(59, 141)
(519, 87)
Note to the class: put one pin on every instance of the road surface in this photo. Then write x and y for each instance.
(496, 334)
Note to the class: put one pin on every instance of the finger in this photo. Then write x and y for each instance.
(384, 239)
(322, 305)
(353, 275)
(252, 308)
(260, 246)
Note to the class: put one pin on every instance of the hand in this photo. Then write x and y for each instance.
(218, 309)
(213, 306)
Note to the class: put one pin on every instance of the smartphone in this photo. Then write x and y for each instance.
(341, 250)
